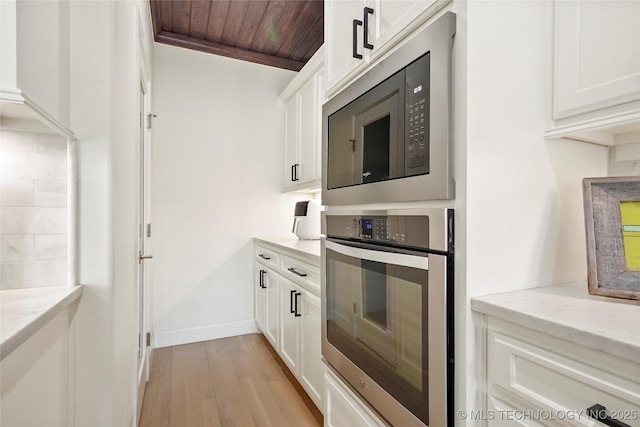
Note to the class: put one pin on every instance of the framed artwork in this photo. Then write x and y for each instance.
(612, 220)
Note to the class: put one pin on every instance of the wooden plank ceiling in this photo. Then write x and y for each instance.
(279, 33)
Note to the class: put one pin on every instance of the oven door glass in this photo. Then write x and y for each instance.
(376, 304)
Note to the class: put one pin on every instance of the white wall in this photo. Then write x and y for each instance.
(524, 193)
(217, 164)
(524, 214)
(105, 81)
(624, 160)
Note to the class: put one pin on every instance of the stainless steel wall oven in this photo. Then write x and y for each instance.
(387, 136)
(387, 309)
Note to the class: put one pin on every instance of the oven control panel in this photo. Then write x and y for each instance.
(410, 231)
(391, 230)
(374, 228)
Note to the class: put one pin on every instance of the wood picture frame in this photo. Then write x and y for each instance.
(612, 220)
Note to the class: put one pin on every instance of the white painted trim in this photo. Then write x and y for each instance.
(607, 127)
(31, 111)
(311, 67)
(203, 333)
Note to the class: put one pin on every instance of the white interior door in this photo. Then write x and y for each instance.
(144, 247)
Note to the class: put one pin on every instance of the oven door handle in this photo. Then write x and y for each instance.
(403, 260)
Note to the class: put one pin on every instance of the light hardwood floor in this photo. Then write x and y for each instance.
(237, 381)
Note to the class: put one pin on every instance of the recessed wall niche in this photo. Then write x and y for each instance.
(34, 213)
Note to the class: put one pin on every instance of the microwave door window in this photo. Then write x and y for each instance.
(341, 162)
(376, 139)
(375, 150)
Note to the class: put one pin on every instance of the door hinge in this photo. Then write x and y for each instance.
(148, 339)
(149, 230)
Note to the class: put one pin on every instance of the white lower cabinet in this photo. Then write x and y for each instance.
(260, 298)
(301, 335)
(267, 300)
(289, 325)
(310, 367)
(272, 303)
(343, 408)
(288, 312)
(536, 379)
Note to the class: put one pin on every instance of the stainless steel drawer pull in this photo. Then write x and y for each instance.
(294, 271)
(263, 256)
(599, 413)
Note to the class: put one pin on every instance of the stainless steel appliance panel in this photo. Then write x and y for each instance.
(387, 315)
(414, 119)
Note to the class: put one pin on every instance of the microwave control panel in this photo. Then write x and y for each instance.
(417, 117)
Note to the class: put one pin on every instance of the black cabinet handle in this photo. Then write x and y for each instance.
(293, 176)
(262, 273)
(367, 11)
(291, 309)
(263, 256)
(294, 271)
(296, 314)
(599, 413)
(356, 23)
(295, 172)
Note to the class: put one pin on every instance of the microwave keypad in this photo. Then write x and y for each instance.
(416, 124)
(417, 110)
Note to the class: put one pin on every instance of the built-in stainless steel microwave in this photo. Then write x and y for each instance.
(387, 136)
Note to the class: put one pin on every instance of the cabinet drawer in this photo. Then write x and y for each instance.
(343, 407)
(564, 383)
(267, 256)
(302, 273)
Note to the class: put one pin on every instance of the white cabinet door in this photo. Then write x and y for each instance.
(339, 16)
(309, 119)
(260, 297)
(272, 306)
(292, 138)
(391, 17)
(385, 20)
(289, 324)
(311, 366)
(302, 137)
(596, 55)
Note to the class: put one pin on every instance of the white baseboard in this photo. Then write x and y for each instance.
(203, 333)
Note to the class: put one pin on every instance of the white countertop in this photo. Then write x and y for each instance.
(305, 247)
(610, 325)
(24, 311)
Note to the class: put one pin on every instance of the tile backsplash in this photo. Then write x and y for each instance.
(33, 209)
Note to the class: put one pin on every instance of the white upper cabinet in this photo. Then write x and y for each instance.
(309, 121)
(303, 109)
(343, 39)
(34, 65)
(357, 32)
(596, 61)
